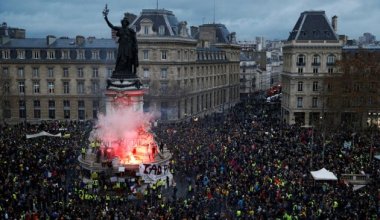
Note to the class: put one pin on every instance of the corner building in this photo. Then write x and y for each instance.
(310, 54)
(189, 75)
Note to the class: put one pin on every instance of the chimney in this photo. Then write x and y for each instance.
(79, 40)
(50, 39)
(334, 23)
(5, 27)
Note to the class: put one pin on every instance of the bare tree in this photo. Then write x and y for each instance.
(353, 94)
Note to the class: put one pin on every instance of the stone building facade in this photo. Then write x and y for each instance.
(65, 79)
(309, 54)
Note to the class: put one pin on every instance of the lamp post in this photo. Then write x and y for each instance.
(323, 139)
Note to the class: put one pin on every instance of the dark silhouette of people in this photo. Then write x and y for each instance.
(127, 57)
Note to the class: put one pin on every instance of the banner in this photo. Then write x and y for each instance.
(42, 133)
(150, 173)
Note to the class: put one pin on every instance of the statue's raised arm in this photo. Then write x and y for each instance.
(127, 54)
(105, 14)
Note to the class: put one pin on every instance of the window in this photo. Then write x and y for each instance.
(95, 109)
(21, 87)
(146, 73)
(300, 86)
(300, 70)
(146, 30)
(299, 102)
(315, 70)
(80, 55)
(95, 54)
(161, 30)
(7, 109)
(95, 72)
(80, 87)
(163, 54)
(50, 87)
(5, 54)
(316, 60)
(5, 72)
(315, 86)
(50, 72)
(20, 72)
(51, 54)
(164, 87)
(66, 87)
(95, 87)
(51, 108)
(164, 73)
(81, 111)
(80, 72)
(110, 55)
(36, 72)
(36, 54)
(314, 103)
(22, 109)
(37, 109)
(20, 54)
(301, 60)
(66, 109)
(6, 87)
(65, 72)
(330, 70)
(330, 59)
(146, 54)
(36, 87)
(65, 54)
(179, 55)
(109, 72)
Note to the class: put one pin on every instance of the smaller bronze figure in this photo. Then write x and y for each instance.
(127, 56)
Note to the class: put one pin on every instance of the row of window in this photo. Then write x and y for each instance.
(200, 55)
(314, 102)
(300, 86)
(301, 60)
(316, 70)
(95, 87)
(53, 54)
(50, 72)
(51, 105)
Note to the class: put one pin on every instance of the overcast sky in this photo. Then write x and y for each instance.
(272, 19)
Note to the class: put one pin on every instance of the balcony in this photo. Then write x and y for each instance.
(330, 64)
(300, 63)
(316, 64)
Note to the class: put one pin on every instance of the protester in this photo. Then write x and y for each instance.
(243, 164)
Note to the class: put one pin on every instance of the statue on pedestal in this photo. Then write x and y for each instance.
(127, 57)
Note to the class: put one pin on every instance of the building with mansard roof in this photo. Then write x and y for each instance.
(65, 79)
(309, 54)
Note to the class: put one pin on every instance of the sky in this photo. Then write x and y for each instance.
(271, 19)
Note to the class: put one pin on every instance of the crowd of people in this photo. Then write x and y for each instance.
(242, 164)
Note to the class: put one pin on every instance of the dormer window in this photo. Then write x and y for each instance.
(80, 54)
(5, 54)
(146, 30)
(161, 30)
(20, 54)
(65, 54)
(95, 54)
(51, 54)
(36, 54)
(316, 33)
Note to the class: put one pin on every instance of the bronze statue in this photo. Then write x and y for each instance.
(127, 58)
